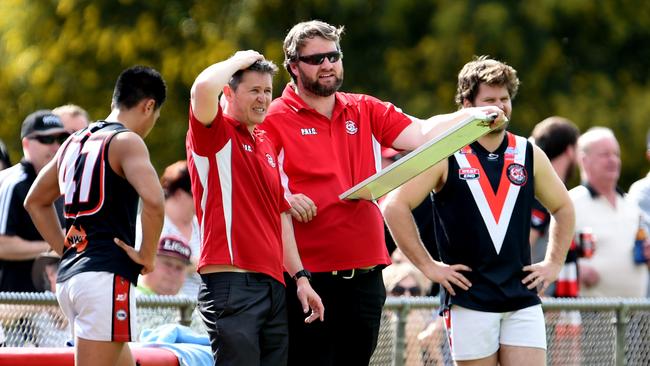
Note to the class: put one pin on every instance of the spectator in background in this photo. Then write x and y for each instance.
(601, 206)
(74, 118)
(42, 133)
(405, 280)
(640, 190)
(180, 220)
(170, 266)
(640, 193)
(44, 271)
(5, 160)
(557, 137)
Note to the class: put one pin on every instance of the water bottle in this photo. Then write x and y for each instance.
(639, 256)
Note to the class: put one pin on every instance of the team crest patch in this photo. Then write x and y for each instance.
(120, 315)
(351, 127)
(469, 173)
(517, 174)
(270, 159)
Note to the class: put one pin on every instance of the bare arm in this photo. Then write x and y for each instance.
(307, 296)
(397, 211)
(554, 196)
(40, 205)
(129, 158)
(211, 81)
(421, 131)
(15, 248)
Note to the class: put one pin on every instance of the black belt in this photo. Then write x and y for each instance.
(347, 274)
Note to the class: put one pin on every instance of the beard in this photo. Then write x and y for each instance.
(500, 129)
(315, 87)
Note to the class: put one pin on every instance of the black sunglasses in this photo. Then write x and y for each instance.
(50, 139)
(319, 58)
(399, 290)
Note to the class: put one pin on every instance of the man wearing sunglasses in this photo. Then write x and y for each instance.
(327, 141)
(42, 133)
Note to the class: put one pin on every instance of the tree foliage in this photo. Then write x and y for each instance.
(585, 60)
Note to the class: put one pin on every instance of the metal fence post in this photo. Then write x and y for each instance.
(186, 314)
(400, 334)
(621, 324)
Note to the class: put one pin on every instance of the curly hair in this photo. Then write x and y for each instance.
(486, 70)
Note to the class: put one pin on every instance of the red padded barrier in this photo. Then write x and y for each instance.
(31, 356)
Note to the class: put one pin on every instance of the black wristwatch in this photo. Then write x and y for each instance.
(302, 273)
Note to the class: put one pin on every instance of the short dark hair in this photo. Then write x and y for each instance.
(554, 134)
(138, 83)
(175, 177)
(262, 66)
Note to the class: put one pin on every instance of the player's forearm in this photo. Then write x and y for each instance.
(152, 218)
(15, 248)
(291, 256)
(403, 228)
(561, 233)
(438, 124)
(46, 220)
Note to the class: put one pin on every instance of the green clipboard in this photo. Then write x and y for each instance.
(422, 158)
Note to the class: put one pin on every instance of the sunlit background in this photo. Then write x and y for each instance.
(586, 60)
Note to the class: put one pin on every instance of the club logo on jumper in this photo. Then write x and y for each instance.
(76, 238)
(247, 147)
(469, 173)
(308, 131)
(517, 174)
(120, 315)
(270, 159)
(492, 156)
(466, 150)
(351, 127)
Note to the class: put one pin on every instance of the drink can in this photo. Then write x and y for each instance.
(586, 242)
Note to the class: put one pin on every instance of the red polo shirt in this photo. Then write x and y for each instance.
(237, 195)
(322, 158)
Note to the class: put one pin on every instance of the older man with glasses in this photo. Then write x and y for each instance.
(42, 133)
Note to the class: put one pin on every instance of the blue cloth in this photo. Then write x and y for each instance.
(192, 349)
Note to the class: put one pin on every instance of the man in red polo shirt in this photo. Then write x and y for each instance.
(328, 141)
(247, 239)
